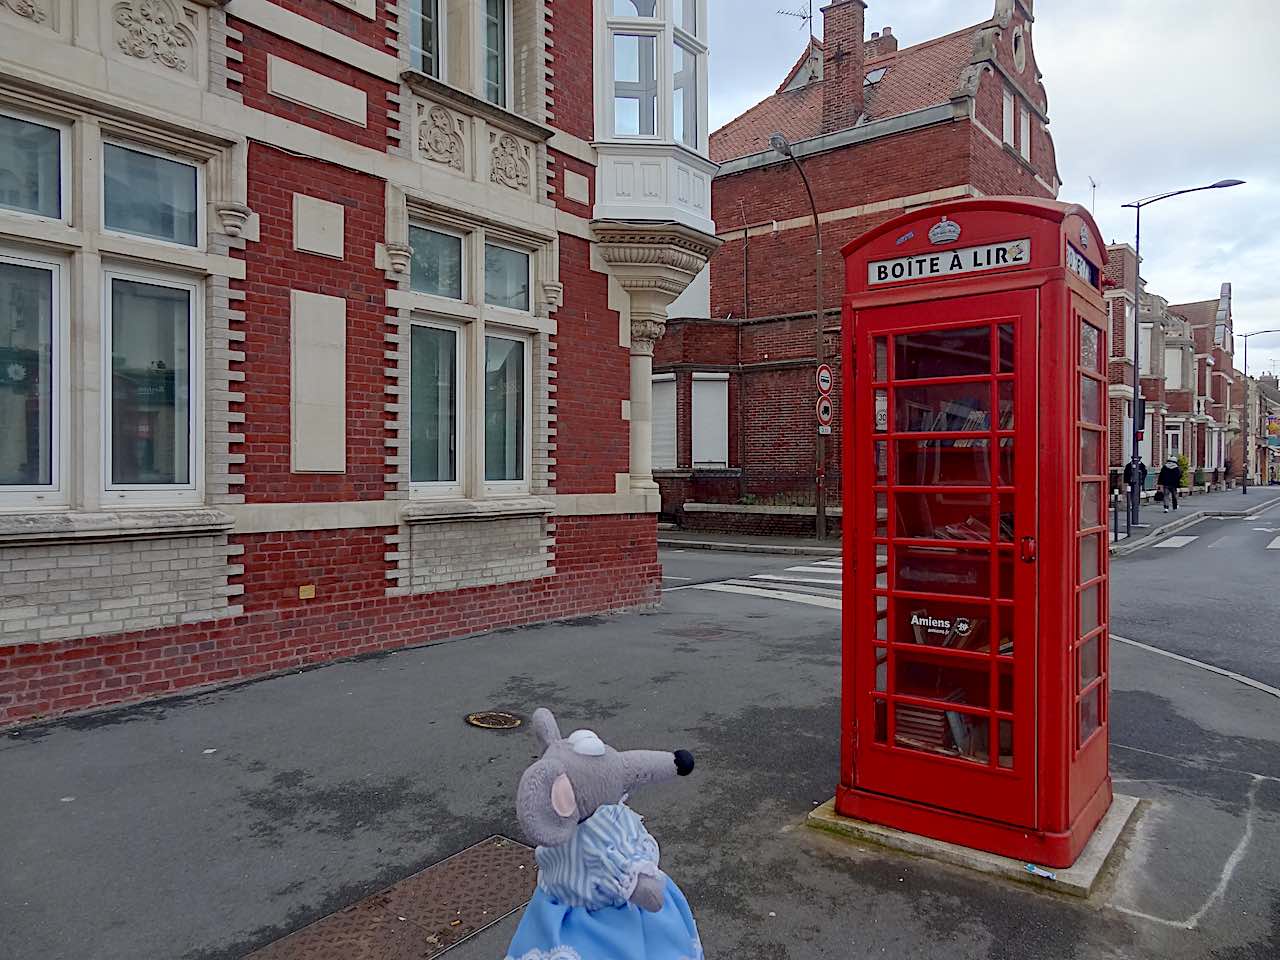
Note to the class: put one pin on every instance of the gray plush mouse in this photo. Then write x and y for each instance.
(600, 892)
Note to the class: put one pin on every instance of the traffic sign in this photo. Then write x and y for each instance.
(825, 379)
(824, 411)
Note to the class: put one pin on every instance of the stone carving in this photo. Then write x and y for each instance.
(399, 256)
(439, 140)
(153, 30)
(233, 217)
(26, 8)
(507, 164)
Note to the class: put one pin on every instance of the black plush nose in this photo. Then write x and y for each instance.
(684, 763)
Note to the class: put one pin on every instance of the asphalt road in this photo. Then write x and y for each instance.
(124, 837)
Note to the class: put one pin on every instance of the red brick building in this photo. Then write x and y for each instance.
(326, 325)
(880, 130)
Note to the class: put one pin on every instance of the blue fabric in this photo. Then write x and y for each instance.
(580, 910)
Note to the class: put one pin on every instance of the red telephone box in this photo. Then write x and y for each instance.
(975, 693)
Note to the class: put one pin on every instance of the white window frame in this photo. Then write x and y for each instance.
(508, 87)
(455, 488)
(693, 421)
(1173, 439)
(155, 494)
(64, 165)
(465, 263)
(483, 297)
(1024, 132)
(135, 146)
(507, 488)
(1007, 120)
(53, 494)
(414, 17)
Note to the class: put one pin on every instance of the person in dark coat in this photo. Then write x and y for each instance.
(1169, 481)
(1135, 473)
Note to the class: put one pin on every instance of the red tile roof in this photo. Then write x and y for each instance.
(918, 77)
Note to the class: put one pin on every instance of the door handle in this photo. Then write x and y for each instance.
(1028, 549)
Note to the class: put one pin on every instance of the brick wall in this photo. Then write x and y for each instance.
(602, 563)
(335, 16)
(572, 81)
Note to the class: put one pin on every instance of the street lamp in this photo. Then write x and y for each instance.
(1244, 482)
(782, 147)
(1135, 489)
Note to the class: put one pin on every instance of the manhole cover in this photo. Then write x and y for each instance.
(493, 720)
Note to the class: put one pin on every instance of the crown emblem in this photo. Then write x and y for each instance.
(944, 231)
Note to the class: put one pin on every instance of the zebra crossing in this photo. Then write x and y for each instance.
(815, 583)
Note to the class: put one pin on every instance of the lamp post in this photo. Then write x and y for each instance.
(1135, 489)
(1244, 425)
(782, 146)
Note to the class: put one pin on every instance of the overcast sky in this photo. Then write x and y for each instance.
(1145, 96)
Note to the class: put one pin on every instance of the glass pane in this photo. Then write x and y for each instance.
(684, 104)
(881, 721)
(150, 383)
(1090, 715)
(1005, 619)
(882, 515)
(1090, 347)
(949, 624)
(1090, 662)
(1005, 336)
(1090, 453)
(942, 353)
(943, 462)
(149, 196)
(940, 570)
(1006, 461)
(941, 515)
(1091, 506)
(882, 460)
(1006, 517)
(1090, 557)
(1004, 574)
(504, 409)
(1004, 396)
(953, 406)
(424, 35)
(495, 51)
(882, 669)
(30, 169)
(1091, 405)
(634, 8)
(1090, 615)
(945, 732)
(882, 411)
(882, 359)
(433, 381)
(635, 85)
(26, 375)
(1005, 754)
(437, 263)
(506, 278)
(882, 566)
(1004, 687)
(952, 682)
(684, 14)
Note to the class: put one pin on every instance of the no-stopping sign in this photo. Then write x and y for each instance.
(824, 411)
(825, 379)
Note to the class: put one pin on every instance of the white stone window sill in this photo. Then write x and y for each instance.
(455, 511)
(82, 526)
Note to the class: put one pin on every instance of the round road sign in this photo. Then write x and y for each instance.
(824, 411)
(825, 379)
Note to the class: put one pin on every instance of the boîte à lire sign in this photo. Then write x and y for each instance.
(946, 263)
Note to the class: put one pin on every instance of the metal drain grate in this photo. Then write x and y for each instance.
(424, 915)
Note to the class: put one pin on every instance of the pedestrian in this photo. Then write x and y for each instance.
(1169, 480)
(1135, 478)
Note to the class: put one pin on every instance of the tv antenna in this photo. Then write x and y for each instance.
(1093, 204)
(803, 14)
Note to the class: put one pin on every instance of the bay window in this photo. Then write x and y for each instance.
(684, 103)
(497, 32)
(147, 194)
(31, 166)
(150, 344)
(505, 408)
(436, 266)
(635, 85)
(426, 37)
(30, 345)
(435, 377)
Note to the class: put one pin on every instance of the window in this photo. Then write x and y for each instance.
(149, 195)
(506, 277)
(684, 14)
(684, 104)
(640, 8)
(31, 175)
(1173, 368)
(436, 266)
(506, 412)
(426, 37)
(495, 51)
(710, 419)
(1126, 349)
(1144, 352)
(874, 76)
(150, 342)
(1173, 441)
(435, 385)
(1008, 117)
(664, 421)
(1024, 133)
(29, 401)
(635, 85)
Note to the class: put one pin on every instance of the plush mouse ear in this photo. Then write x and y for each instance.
(563, 801)
(545, 727)
(546, 805)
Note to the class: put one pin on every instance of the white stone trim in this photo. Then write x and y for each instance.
(316, 37)
(849, 213)
(294, 82)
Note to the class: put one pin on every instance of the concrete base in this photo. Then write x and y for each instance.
(1078, 880)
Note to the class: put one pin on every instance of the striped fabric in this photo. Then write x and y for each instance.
(599, 867)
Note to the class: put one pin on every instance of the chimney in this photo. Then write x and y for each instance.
(843, 59)
(881, 43)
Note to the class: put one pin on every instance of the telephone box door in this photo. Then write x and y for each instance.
(945, 476)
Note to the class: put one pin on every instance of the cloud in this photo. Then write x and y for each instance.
(1144, 97)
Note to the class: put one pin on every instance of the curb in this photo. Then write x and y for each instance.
(781, 549)
(1169, 529)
